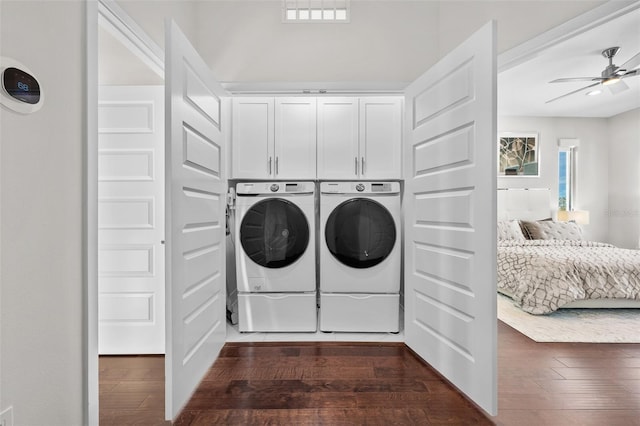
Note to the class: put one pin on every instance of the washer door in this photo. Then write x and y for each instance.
(274, 233)
(360, 233)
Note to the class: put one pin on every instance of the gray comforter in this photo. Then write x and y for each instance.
(543, 275)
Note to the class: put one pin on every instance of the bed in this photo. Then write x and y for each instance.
(545, 265)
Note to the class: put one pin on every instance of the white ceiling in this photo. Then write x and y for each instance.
(524, 89)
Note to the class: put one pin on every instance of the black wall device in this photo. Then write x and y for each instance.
(21, 85)
(21, 91)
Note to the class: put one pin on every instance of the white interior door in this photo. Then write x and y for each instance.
(450, 217)
(196, 200)
(131, 220)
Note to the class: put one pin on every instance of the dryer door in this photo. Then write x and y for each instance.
(274, 233)
(360, 233)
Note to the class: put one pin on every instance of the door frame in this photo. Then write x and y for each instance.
(109, 15)
(150, 52)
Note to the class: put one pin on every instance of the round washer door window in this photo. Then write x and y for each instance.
(360, 233)
(274, 233)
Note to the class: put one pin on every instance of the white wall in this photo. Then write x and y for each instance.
(592, 164)
(247, 41)
(151, 14)
(386, 40)
(624, 179)
(41, 218)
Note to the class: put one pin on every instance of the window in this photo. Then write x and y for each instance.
(566, 173)
(564, 179)
(315, 11)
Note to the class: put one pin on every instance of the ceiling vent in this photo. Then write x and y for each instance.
(320, 11)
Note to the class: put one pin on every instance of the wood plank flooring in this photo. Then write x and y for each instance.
(324, 384)
(566, 383)
(131, 390)
(337, 383)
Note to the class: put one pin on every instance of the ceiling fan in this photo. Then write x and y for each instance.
(611, 77)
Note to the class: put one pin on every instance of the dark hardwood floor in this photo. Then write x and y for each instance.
(131, 390)
(381, 384)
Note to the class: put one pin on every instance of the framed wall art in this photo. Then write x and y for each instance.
(518, 154)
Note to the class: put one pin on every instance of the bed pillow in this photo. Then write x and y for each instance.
(510, 230)
(550, 230)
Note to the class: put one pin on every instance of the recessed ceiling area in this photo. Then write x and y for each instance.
(228, 44)
(524, 89)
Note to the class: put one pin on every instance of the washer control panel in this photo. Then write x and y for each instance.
(271, 188)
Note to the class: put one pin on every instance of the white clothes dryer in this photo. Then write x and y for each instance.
(276, 256)
(360, 256)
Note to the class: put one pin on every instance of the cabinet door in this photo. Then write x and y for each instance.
(252, 138)
(295, 141)
(338, 156)
(380, 137)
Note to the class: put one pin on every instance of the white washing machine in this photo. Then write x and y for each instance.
(276, 256)
(360, 256)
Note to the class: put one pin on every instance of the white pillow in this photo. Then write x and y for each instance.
(510, 230)
(549, 230)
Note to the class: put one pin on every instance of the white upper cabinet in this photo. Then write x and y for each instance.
(274, 138)
(338, 154)
(359, 138)
(355, 138)
(381, 138)
(295, 141)
(252, 138)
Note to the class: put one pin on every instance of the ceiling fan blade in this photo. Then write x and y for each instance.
(571, 93)
(620, 86)
(566, 80)
(631, 73)
(631, 63)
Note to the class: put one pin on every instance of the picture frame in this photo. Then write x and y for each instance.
(518, 154)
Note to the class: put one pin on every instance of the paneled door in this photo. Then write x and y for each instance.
(196, 187)
(450, 217)
(131, 220)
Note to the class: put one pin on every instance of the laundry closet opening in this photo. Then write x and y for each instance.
(264, 149)
(315, 245)
(131, 272)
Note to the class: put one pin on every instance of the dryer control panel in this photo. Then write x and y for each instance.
(360, 187)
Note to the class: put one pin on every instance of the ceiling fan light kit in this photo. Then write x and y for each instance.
(610, 77)
(610, 81)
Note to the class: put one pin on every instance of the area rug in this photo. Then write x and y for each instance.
(573, 325)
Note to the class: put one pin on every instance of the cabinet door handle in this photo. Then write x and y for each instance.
(270, 158)
(362, 168)
(276, 165)
(356, 165)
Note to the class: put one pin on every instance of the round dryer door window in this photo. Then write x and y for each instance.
(274, 233)
(360, 233)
